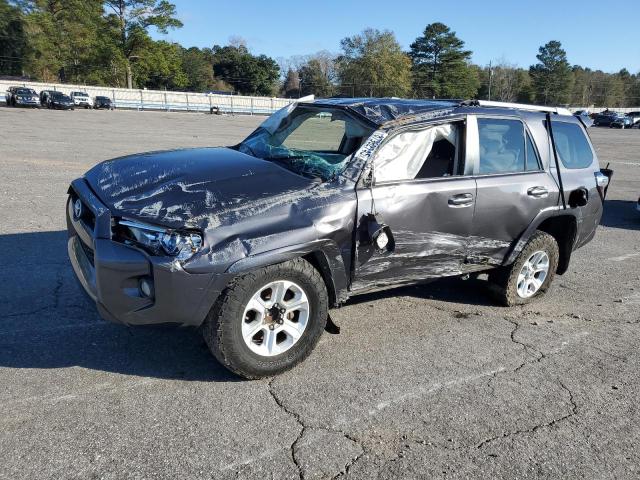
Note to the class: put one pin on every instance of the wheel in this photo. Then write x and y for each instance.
(268, 321)
(530, 275)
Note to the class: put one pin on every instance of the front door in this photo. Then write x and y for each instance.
(422, 194)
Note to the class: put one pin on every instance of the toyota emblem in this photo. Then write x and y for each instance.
(77, 209)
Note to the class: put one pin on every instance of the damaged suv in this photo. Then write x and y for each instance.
(254, 243)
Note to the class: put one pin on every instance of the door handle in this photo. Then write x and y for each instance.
(461, 200)
(538, 192)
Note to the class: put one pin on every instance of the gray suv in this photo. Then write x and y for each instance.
(254, 243)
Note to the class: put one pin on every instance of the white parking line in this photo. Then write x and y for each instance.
(420, 391)
(622, 258)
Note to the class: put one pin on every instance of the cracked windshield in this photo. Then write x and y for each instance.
(314, 142)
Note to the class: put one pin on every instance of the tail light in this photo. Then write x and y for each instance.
(603, 179)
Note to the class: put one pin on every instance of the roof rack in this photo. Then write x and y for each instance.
(519, 106)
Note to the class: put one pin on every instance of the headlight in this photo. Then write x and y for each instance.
(158, 240)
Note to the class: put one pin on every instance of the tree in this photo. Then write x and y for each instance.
(441, 66)
(552, 76)
(160, 67)
(508, 82)
(13, 39)
(196, 65)
(134, 17)
(248, 74)
(291, 87)
(316, 78)
(373, 64)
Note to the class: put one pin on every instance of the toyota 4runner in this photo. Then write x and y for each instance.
(254, 243)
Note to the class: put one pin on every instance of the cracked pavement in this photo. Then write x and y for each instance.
(433, 381)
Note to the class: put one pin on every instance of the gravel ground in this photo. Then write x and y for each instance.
(424, 382)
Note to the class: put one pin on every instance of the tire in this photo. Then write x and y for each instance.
(223, 327)
(504, 280)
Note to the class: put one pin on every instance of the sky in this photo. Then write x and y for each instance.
(596, 34)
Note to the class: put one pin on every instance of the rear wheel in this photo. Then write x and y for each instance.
(269, 320)
(530, 275)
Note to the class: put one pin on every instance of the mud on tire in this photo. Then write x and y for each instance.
(504, 280)
(222, 329)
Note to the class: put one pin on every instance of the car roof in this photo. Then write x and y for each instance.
(393, 111)
(384, 110)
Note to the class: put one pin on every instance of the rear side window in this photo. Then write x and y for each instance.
(572, 145)
(533, 160)
(502, 146)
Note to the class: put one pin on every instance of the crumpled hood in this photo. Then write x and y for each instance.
(196, 188)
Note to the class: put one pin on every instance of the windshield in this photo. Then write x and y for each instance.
(23, 91)
(79, 94)
(311, 141)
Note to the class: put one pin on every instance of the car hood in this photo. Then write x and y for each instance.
(196, 188)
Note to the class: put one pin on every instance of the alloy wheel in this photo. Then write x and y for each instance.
(275, 318)
(533, 274)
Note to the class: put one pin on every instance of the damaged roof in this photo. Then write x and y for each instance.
(384, 110)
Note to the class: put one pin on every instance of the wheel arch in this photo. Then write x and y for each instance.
(324, 256)
(562, 225)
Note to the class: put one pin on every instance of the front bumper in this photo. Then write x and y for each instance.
(110, 272)
(27, 103)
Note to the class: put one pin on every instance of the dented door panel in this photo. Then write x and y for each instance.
(430, 232)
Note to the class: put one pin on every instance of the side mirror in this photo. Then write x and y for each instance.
(380, 235)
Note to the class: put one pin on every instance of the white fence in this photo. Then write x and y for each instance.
(193, 102)
(161, 100)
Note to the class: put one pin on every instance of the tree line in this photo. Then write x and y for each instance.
(108, 43)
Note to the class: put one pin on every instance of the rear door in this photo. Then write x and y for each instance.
(512, 185)
(578, 169)
(424, 195)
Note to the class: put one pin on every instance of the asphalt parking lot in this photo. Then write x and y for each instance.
(424, 382)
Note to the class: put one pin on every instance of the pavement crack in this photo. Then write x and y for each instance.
(297, 418)
(354, 460)
(532, 430)
(293, 448)
(528, 348)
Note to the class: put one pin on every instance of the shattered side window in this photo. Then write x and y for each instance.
(311, 141)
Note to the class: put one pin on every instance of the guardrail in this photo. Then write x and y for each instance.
(164, 100)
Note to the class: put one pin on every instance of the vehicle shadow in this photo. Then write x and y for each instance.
(621, 214)
(47, 322)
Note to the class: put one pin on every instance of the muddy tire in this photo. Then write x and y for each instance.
(530, 275)
(269, 320)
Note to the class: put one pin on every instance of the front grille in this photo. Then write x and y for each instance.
(87, 251)
(87, 217)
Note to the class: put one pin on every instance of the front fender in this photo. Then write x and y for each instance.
(326, 254)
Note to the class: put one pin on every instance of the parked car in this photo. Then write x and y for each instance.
(621, 120)
(81, 99)
(604, 119)
(21, 97)
(44, 97)
(59, 101)
(103, 102)
(585, 116)
(326, 200)
(635, 118)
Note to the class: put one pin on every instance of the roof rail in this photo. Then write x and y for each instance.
(520, 106)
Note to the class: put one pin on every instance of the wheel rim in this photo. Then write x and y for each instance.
(275, 318)
(533, 274)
